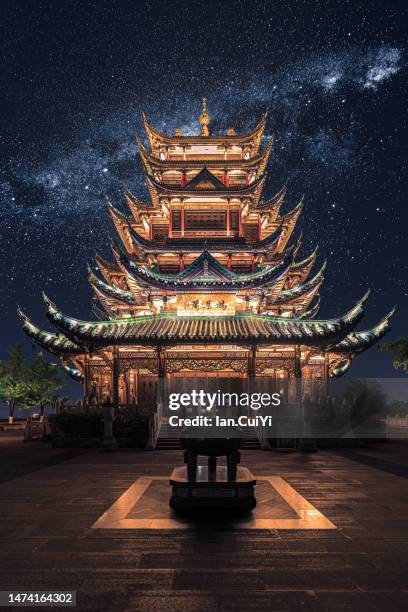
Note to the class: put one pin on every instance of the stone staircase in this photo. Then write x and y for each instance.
(250, 440)
(250, 444)
(168, 438)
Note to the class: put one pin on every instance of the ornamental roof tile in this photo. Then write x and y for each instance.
(206, 272)
(182, 245)
(358, 342)
(169, 329)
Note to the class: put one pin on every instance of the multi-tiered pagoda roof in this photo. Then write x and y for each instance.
(206, 261)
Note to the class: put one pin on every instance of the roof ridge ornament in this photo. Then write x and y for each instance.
(204, 119)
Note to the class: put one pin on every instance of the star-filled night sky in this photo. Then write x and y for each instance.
(77, 75)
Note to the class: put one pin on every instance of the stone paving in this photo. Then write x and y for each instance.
(46, 540)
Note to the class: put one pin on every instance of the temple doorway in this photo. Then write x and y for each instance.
(147, 389)
(209, 382)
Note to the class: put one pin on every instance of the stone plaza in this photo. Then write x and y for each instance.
(328, 533)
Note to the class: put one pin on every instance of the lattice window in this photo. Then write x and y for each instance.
(176, 220)
(234, 219)
(251, 232)
(159, 233)
(206, 220)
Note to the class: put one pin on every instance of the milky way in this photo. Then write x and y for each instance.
(331, 114)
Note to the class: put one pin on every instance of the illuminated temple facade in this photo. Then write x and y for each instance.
(206, 280)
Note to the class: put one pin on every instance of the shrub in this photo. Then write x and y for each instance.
(71, 425)
(133, 428)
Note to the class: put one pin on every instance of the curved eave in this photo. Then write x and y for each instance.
(301, 270)
(171, 330)
(290, 217)
(73, 373)
(183, 245)
(111, 303)
(311, 312)
(341, 369)
(274, 204)
(136, 206)
(100, 312)
(301, 266)
(110, 291)
(264, 156)
(180, 282)
(117, 215)
(165, 189)
(300, 291)
(288, 224)
(122, 225)
(149, 161)
(53, 343)
(254, 135)
(356, 343)
(106, 268)
(258, 161)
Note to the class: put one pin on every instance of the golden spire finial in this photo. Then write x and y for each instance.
(204, 119)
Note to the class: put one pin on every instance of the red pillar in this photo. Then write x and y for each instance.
(158, 263)
(171, 222)
(240, 223)
(183, 178)
(181, 262)
(150, 229)
(259, 228)
(253, 263)
(182, 219)
(228, 219)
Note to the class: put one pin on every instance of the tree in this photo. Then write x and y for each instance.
(399, 348)
(368, 407)
(14, 381)
(369, 388)
(44, 382)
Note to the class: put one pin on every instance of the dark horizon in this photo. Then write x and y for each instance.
(77, 76)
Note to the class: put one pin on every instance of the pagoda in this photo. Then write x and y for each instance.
(205, 280)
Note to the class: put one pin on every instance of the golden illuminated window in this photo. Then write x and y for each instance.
(234, 219)
(205, 220)
(176, 220)
(159, 233)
